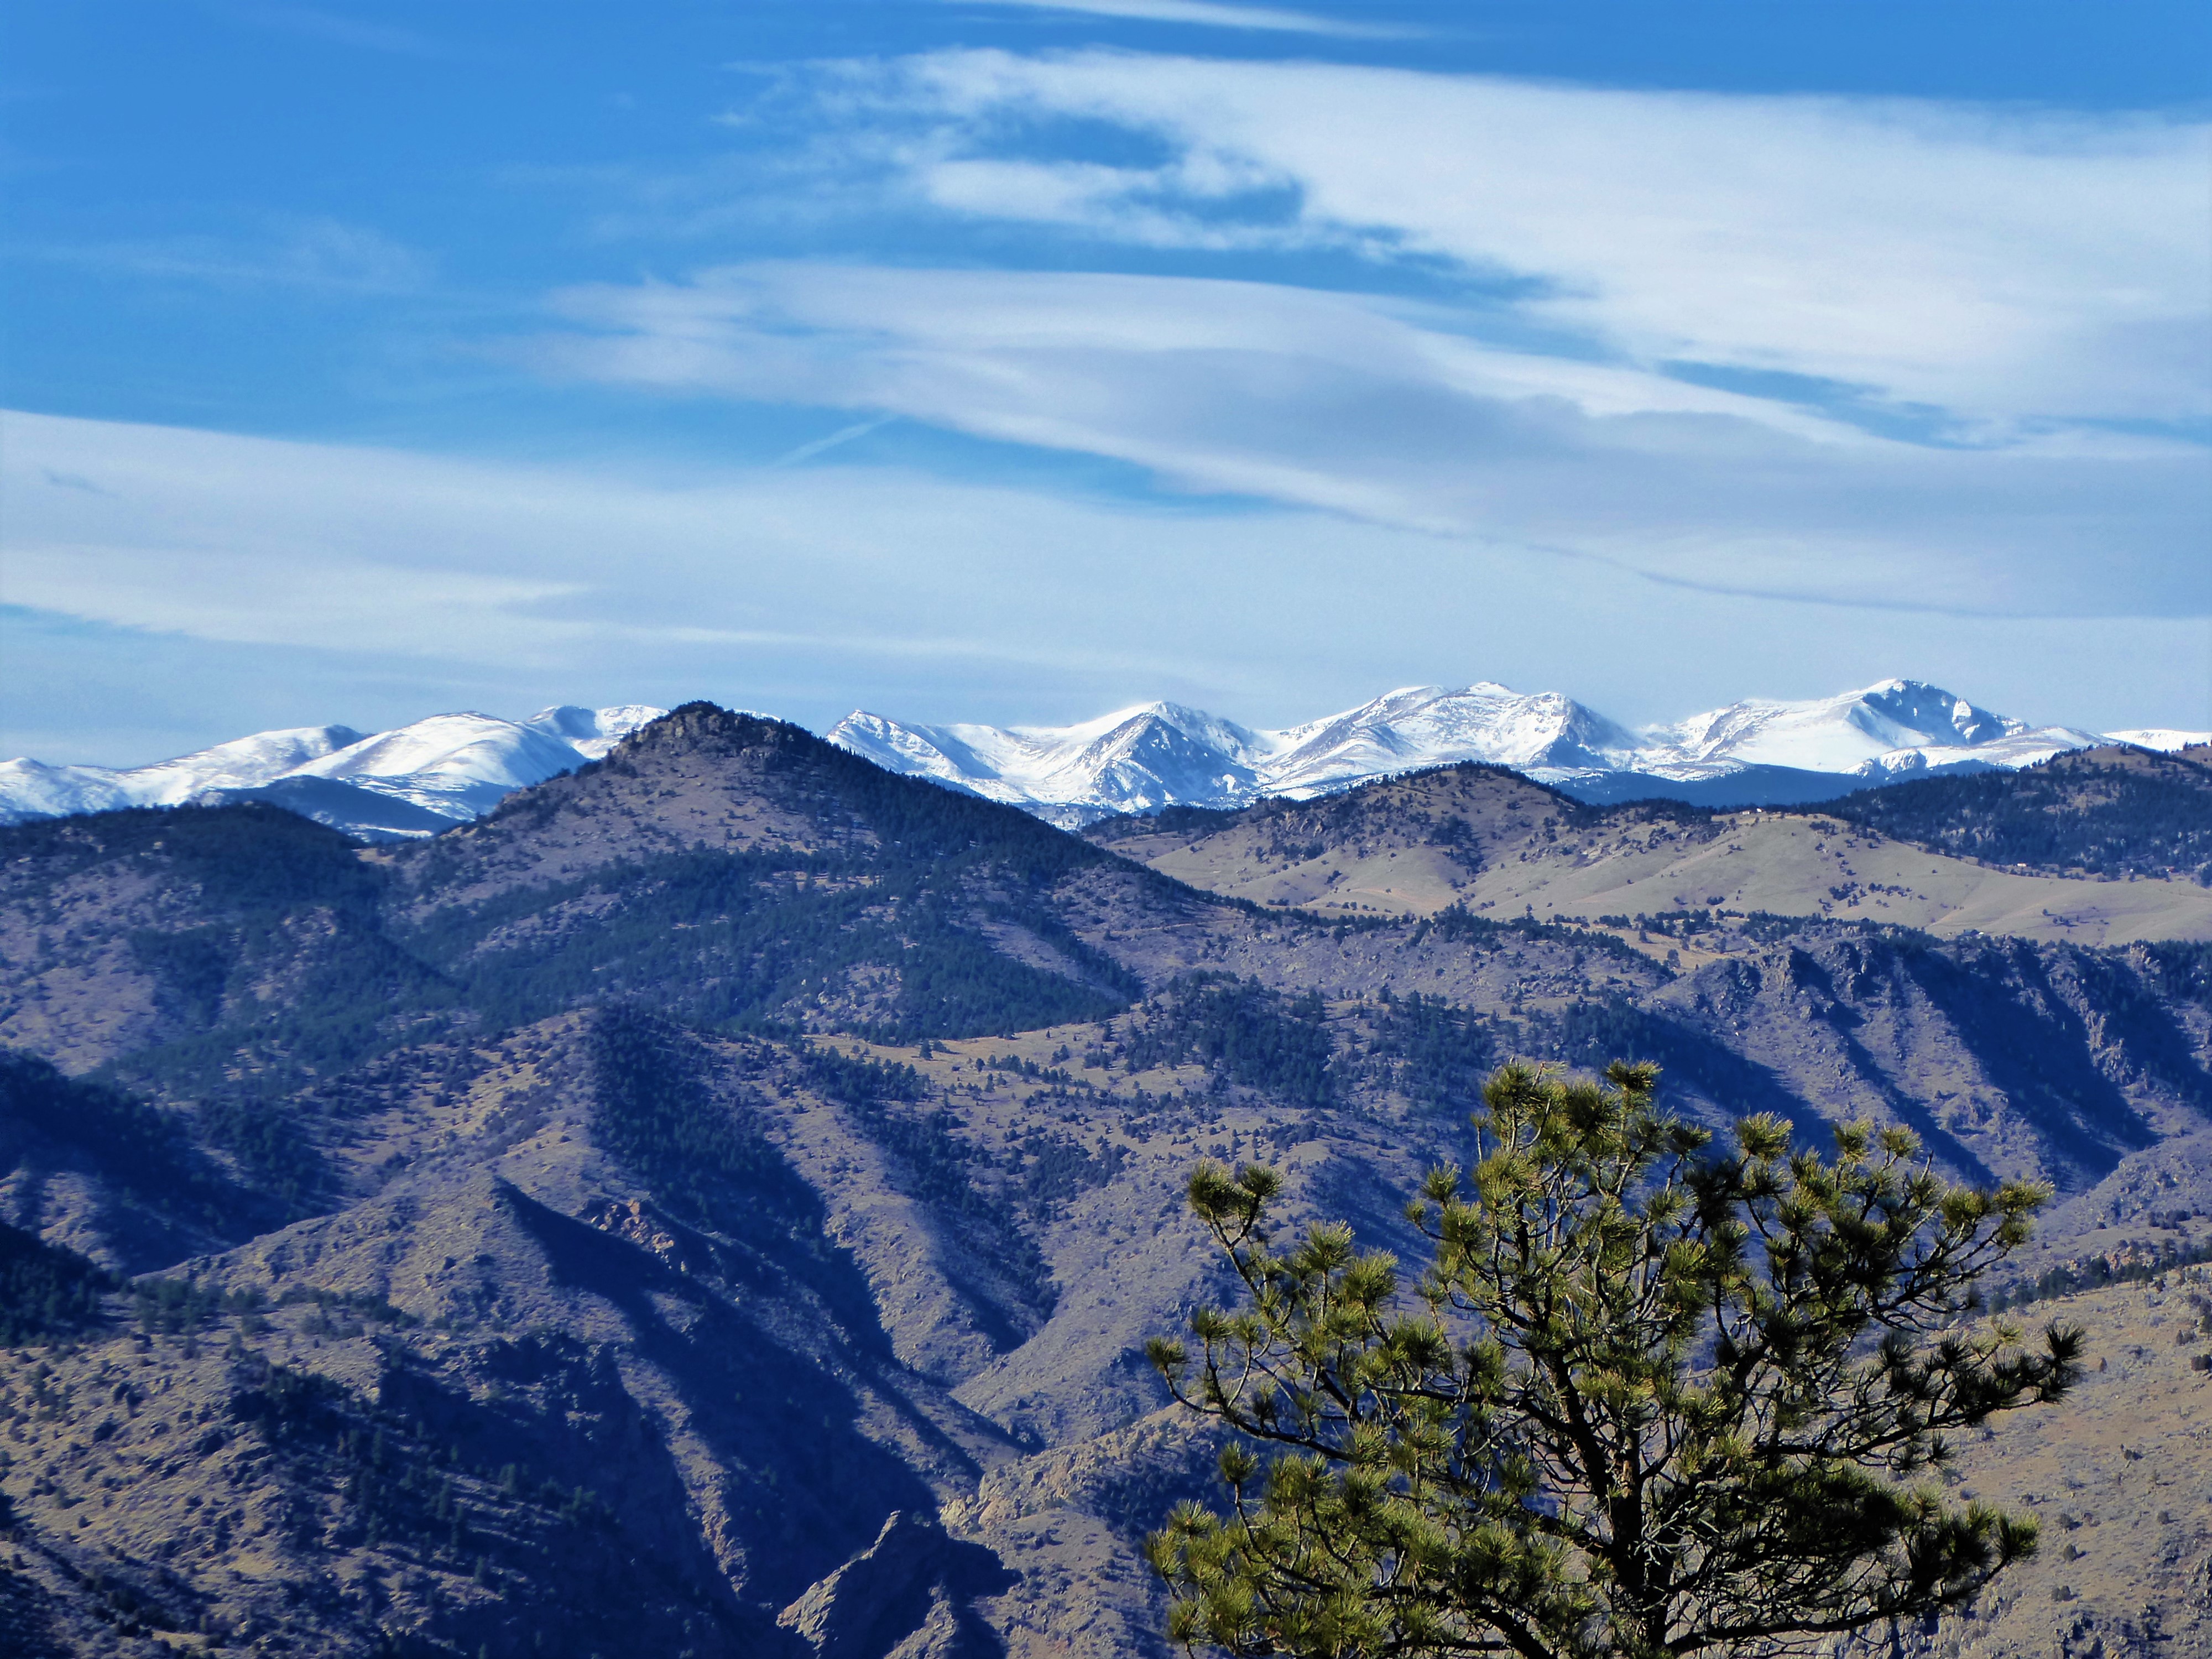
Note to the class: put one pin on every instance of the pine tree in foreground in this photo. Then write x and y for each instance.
(1648, 1399)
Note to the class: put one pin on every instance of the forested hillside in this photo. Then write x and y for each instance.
(2097, 812)
(716, 1204)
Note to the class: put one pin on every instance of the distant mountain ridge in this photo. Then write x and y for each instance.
(1759, 752)
(1164, 754)
(421, 778)
(413, 781)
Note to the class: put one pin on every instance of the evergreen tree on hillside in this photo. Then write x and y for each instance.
(1649, 1399)
(45, 1291)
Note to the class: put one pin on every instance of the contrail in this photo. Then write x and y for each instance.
(808, 452)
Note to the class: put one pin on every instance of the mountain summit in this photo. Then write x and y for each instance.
(1895, 727)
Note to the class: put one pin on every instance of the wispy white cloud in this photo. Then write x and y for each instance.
(314, 254)
(1949, 330)
(213, 562)
(1384, 412)
(265, 542)
(1209, 14)
(741, 327)
(2005, 266)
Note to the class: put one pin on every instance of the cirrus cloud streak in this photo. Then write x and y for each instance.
(1381, 410)
(2001, 266)
(176, 575)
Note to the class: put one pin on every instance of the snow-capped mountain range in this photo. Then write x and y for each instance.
(1759, 752)
(413, 781)
(421, 778)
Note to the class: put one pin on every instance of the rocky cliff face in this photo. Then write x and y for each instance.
(716, 1204)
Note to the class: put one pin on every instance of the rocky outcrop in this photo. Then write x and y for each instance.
(903, 1597)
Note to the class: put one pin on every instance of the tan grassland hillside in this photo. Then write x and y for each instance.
(1403, 851)
(2119, 1480)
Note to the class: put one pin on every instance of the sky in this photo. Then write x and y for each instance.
(1007, 360)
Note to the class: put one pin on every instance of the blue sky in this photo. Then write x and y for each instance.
(1014, 361)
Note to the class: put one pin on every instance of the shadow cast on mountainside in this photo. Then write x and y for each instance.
(554, 1413)
(2032, 1045)
(1728, 1086)
(2145, 1030)
(156, 1196)
(770, 1391)
(1836, 1011)
(1350, 1188)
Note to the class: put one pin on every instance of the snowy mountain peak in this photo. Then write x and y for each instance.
(241, 761)
(1162, 754)
(1895, 726)
(32, 789)
(1149, 761)
(1918, 707)
(593, 732)
(458, 765)
(451, 767)
(1133, 760)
